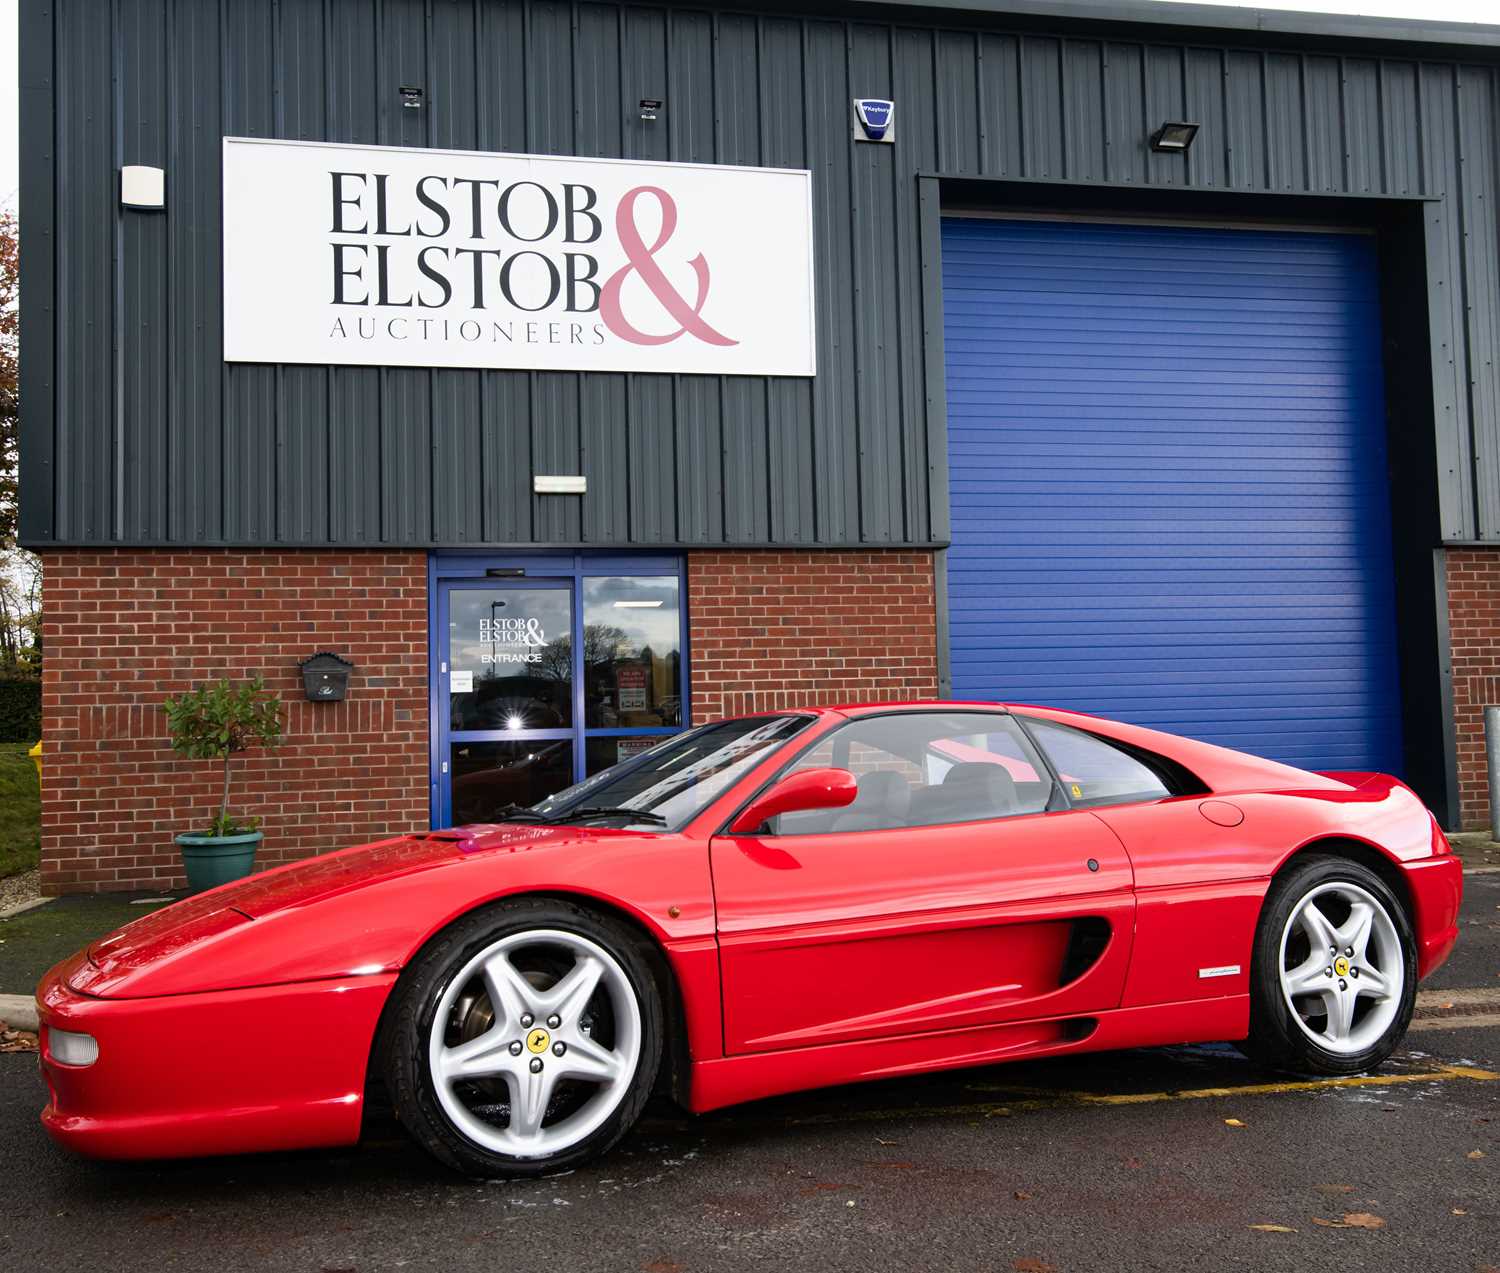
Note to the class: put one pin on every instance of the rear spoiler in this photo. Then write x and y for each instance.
(1357, 778)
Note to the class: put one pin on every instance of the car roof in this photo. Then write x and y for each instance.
(901, 705)
(920, 705)
(1219, 768)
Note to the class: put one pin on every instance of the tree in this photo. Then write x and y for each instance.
(601, 644)
(20, 613)
(20, 571)
(10, 395)
(217, 721)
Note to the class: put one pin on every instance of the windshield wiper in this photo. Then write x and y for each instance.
(518, 813)
(603, 811)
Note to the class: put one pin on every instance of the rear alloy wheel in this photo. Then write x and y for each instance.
(1334, 976)
(525, 1040)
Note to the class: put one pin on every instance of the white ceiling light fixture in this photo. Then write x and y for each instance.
(637, 605)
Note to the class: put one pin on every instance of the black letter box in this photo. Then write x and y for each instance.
(325, 677)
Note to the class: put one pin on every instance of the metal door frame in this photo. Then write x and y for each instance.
(449, 571)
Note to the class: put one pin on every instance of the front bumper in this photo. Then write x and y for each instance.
(1437, 892)
(234, 1071)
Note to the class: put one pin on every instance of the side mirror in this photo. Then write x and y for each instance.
(797, 793)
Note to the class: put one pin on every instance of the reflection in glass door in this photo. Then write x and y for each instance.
(632, 665)
(543, 680)
(510, 694)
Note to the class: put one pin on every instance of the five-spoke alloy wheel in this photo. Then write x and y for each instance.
(1333, 978)
(524, 1039)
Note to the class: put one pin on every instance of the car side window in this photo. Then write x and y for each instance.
(917, 769)
(1094, 771)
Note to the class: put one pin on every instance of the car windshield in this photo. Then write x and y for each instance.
(666, 787)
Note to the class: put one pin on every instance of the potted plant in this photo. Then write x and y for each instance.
(215, 722)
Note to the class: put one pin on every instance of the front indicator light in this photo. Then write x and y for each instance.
(70, 1048)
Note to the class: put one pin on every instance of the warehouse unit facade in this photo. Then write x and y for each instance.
(581, 372)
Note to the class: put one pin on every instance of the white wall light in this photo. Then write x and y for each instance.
(143, 187)
(559, 484)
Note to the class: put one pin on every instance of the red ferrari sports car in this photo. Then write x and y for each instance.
(755, 906)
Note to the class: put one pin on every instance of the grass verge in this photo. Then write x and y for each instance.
(31, 942)
(20, 810)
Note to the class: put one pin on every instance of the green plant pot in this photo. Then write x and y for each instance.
(212, 860)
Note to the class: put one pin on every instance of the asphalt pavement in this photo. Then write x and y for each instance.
(1184, 1158)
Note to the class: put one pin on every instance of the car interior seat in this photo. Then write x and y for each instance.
(883, 802)
(969, 791)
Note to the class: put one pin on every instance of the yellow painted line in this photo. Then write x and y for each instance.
(1295, 1085)
(1469, 1072)
(1063, 1099)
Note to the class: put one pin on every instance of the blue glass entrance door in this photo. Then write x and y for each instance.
(510, 694)
(546, 671)
(510, 657)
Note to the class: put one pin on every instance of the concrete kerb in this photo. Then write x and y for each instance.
(18, 1011)
(22, 907)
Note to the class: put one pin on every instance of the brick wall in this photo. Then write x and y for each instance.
(1474, 630)
(769, 630)
(123, 629)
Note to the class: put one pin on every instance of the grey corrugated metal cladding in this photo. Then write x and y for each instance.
(136, 431)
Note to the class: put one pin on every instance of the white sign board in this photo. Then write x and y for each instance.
(379, 256)
(626, 748)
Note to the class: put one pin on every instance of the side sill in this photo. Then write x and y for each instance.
(732, 1080)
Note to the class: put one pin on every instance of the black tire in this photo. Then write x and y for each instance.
(407, 1023)
(1276, 1040)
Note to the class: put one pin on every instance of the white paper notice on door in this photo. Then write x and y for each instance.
(461, 682)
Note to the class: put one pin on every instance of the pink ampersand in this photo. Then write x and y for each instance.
(640, 259)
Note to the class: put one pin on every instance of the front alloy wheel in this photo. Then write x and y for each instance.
(524, 1040)
(1333, 976)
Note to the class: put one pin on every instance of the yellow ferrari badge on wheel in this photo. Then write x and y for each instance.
(537, 1041)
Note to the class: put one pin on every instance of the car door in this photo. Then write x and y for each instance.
(947, 895)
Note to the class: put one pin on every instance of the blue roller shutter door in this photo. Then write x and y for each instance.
(1169, 492)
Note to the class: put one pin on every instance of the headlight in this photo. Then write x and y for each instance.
(70, 1048)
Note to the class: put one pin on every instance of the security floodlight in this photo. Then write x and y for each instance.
(1174, 137)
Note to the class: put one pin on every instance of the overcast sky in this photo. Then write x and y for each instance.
(8, 177)
(1432, 10)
